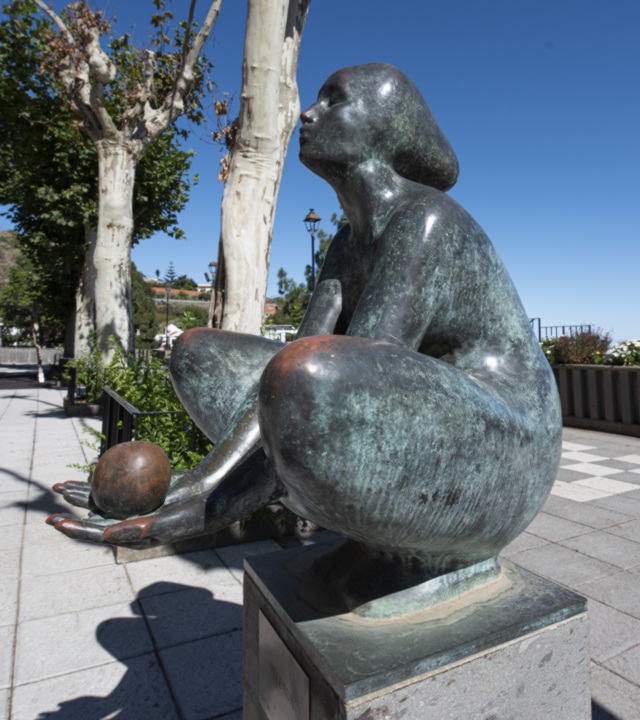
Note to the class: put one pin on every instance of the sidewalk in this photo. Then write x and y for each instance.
(83, 638)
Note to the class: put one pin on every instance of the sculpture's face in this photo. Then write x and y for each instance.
(346, 124)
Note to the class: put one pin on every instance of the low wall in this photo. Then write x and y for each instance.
(600, 397)
(27, 355)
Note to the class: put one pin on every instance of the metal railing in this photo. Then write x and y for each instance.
(121, 420)
(548, 332)
(553, 331)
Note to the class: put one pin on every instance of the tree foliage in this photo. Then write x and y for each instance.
(49, 168)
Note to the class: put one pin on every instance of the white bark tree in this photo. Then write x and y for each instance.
(85, 70)
(269, 109)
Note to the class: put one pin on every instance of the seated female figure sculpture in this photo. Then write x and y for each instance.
(415, 413)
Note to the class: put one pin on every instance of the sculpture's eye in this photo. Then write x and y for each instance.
(333, 95)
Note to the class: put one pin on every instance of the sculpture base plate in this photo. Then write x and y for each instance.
(516, 647)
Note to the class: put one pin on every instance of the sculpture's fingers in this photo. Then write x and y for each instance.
(71, 485)
(79, 499)
(167, 525)
(78, 529)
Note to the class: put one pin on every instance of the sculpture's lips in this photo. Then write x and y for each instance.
(304, 133)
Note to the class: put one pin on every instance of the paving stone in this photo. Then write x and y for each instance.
(620, 591)
(233, 556)
(47, 595)
(134, 689)
(176, 572)
(585, 513)
(565, 566)
(611, 631)
(6, 655)
(621, 699)
(75, 641)
(206, 676)
(550, 527)
(179, 617)
(10, 538)
(629, 530)
(59, 557)
(524, 541)
(626, 664)
(9, 562)
(605, 546)
(13, 482)
(8, 600)
(620, 503)
(12, 508)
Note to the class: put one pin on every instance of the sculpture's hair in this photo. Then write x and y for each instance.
(418, 148)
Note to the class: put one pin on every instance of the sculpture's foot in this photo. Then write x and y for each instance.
(378, 585)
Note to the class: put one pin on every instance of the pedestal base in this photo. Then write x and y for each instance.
(516, 648)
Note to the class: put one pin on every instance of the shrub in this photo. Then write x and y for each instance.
(578, 348)
(144, 381)
(625, 353)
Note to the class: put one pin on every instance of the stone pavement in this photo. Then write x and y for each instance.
(84, 638)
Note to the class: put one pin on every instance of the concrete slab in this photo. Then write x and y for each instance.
(8, 600)
(604, 545)
(172, 573)
(46, 595)
(549, 527)
(565, 566)
(6, 656)
(612, 631)
(191, 614)
(61, 644)
(619, 698)
(206, 676)
(135, 689)
(630, 530)
(626, 664)
(620, 591)
(588, 514)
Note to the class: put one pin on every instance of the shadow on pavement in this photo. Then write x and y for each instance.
(146, 691)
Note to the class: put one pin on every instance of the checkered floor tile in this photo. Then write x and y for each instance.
(594, 474)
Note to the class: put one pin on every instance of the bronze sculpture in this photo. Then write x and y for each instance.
(416, 413)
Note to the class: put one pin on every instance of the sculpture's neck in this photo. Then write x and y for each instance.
(369, 195)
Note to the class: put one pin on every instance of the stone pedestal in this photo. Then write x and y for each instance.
(515, 648)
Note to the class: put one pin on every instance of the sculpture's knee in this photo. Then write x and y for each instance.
(300, 374)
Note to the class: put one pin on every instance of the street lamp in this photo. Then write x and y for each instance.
(210, 276)
(311, 223)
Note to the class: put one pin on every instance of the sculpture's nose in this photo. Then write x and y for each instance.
(307, 115)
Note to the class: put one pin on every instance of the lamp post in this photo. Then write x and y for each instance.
(210, 276)
(311, 223)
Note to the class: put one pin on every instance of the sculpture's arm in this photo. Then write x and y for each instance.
(407, 286)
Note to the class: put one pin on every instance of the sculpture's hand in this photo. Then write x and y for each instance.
(169, 523)
(76, 492)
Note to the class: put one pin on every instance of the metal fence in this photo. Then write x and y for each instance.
(548, 332)
(121, 420)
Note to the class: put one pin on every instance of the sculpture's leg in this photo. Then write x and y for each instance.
(214, 372)
(405, 452)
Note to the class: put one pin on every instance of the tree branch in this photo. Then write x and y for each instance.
(173, 105)
(57, 21)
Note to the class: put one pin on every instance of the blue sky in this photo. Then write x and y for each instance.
(540, 101)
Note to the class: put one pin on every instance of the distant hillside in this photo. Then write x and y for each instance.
(9, 251)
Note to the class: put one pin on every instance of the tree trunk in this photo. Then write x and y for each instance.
(85, 298)
(111, 256)
(269, 108)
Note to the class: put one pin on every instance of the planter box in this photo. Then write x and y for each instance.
(76, 409)
(600, 397)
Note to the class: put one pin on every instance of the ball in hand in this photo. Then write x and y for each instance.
(131, 478)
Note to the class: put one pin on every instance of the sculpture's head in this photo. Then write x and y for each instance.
(374, 111)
